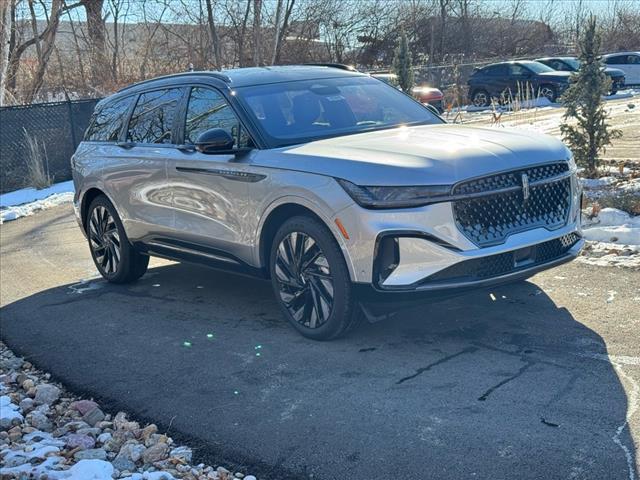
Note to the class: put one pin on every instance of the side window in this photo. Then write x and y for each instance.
(634, 59)
(152, 119)
(107, 121)
(208, 109)
(616, 60)
(517, 70)
(497, 70)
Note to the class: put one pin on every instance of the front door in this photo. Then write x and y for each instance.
(209, 191)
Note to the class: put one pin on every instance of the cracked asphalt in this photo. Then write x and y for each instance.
(538, 380)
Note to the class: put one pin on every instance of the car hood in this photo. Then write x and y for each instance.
(420, 155)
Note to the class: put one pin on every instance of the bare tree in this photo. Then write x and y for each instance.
(5, 34)
(257, 32)
(215, 40)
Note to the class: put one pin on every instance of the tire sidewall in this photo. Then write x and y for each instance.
(342, 307)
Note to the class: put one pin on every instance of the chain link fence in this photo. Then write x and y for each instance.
(43, 134)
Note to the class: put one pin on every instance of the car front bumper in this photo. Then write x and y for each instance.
(423, 249)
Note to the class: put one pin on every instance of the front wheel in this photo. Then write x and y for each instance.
(114, 257)
(481, 98)
(311, 280)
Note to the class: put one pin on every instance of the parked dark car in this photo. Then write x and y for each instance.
(423, 93)
(506, 79)
(572, 64)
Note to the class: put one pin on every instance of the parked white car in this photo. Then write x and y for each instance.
(628, 62)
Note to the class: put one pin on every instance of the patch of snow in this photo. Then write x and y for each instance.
(12, 213)
(29, 200)
(8, 412)
(27, 195)
(597, 182)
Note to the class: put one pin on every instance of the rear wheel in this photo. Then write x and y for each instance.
(114, 257)
(548, 92)
(311, 280)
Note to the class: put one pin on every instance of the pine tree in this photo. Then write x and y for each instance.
(591, 133)
(402, 64)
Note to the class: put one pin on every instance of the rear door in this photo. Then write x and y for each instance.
(629, 64)
(209, 191)
(633, 67)
(497, 79)
(136, 176)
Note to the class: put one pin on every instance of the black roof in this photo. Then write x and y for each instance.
(243, 77)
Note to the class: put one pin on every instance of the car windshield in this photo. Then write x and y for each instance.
(307, 110)
(538, 67)
(572, 62)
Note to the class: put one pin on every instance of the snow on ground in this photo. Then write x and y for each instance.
(613, 239)
(26, 201)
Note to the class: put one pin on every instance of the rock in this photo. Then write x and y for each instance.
(76, 425)
(223, 473)
(104, 437)
(123, 464)
(131, 450)
(26, 405)
(155, 453)
(83, 406)
(155, 438)
(239, 475)
(147, 431)
(183, 453)
(77, 440)
(93, 416)
(91, 454)
(46, 394)
(32, 392)
(40, 421)
(249, 477)
(15, 434)
(91, 431)
(27, 384)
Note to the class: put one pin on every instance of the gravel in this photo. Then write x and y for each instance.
(45, 432)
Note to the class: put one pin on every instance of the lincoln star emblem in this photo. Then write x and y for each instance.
(525, 187)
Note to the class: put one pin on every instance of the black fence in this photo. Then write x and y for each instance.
(55, 129)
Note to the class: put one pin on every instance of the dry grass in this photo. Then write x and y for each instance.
(37, 162)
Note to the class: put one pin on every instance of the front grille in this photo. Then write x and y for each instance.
(504, 263)
(492, 217)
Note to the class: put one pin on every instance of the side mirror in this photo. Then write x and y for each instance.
(215, 140)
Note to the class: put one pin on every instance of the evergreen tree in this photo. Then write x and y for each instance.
(590, 133)
(402, 65)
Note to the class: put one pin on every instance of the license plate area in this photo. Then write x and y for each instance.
(524, 256)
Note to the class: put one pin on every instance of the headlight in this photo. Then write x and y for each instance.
(395, 197)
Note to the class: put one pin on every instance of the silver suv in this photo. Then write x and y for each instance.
(349, 195)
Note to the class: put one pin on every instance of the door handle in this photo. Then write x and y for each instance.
(186, 148)
(125, 145)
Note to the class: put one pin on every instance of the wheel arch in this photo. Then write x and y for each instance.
(278, 213)
(85, 200)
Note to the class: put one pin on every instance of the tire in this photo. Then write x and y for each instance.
(480, 98)
(114, 256)
(309, 274)
(549, 92)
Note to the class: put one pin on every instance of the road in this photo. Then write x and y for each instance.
(531, 381)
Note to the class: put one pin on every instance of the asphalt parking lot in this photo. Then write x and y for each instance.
(531, 381)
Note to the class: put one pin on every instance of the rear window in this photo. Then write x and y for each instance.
(496, 70)
(107, 121)
(152, 119)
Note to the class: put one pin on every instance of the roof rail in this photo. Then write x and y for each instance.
(341, 66)
(218, 75)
